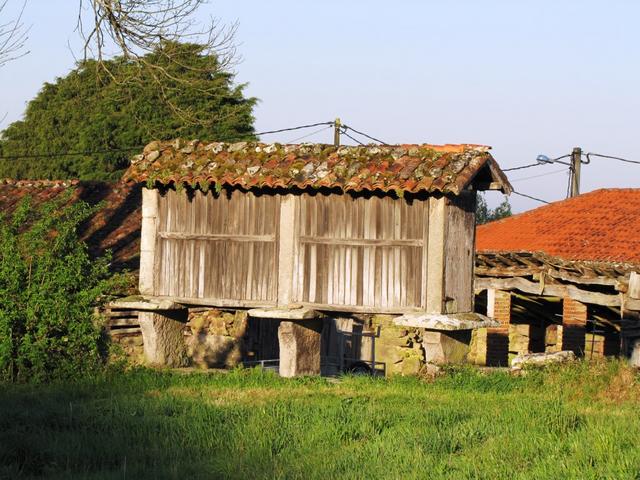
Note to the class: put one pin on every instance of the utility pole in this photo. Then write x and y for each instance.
(336, 132)
(576, 162)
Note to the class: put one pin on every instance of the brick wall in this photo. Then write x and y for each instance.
(574, 322)
(499, 308)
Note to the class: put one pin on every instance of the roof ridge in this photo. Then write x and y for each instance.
(403, 168)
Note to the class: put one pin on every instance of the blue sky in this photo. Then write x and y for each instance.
(525, 77)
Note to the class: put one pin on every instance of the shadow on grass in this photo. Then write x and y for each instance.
(251, 424)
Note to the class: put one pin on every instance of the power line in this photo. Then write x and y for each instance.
(294, 128)
(611, 157)
(344, 132)
(530, 197)
(69, 154)
(538, 176)
(364, 135)
(522, 167)
(309, 134)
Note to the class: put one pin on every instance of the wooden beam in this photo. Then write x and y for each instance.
(361, 242)
(553, 290)
(634, 285)
(583, 280)
(216, 237)
(506, 271)
(148, 241)
(212, 302)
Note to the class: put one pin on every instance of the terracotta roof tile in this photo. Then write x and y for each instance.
(407, 168)
(602, 225)
(116, 226)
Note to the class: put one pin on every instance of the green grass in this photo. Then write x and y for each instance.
(578, 422)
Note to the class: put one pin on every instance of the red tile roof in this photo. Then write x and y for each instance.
(401, 168)
(603, 225)
(116, 226)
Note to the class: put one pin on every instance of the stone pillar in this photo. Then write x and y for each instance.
(299, 347)
(634, 352)
(163, 337)
(446, 347)
(498, 308)
(553, 338)
(574, 323)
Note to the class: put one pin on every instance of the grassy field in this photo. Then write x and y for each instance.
(579, 422)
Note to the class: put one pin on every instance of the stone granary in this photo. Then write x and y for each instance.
(307, 234)
(563, 277)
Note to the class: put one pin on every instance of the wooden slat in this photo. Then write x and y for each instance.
(357, 251)
(212, 237)
(217, 246)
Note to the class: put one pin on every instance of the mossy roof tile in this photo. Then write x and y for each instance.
(408, 168)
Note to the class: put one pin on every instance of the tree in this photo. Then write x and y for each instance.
(112, 116)
(484, 214)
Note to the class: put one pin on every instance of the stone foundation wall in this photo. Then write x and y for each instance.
(132, 346)
(215, 338)
(399, 347)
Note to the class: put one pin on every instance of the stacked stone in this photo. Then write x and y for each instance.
(553, 338)
(399, 347)
(132, 346)
(216, 338)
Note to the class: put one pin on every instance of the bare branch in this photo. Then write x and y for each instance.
(135, 29)
(13, 36)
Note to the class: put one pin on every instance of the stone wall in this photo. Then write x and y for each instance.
(399, 347)
(223, 339)
(131, 345)
(215, 338)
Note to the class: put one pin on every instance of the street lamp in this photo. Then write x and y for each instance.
(574, 167)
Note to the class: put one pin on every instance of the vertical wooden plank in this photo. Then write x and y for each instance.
(424, 270)
(459, 258)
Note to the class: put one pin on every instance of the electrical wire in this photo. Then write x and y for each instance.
(69, 154)
(590, 154)
(522, 167)
(138, 147)
(309, 134)
(364, 135)
(530, 197)
(538, 176)
(294, 128)
(354, 139)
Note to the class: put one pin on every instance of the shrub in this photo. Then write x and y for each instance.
(49, 287)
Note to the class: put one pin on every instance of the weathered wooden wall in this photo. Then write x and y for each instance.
(459, 253)
(377, 254)
(217, 246)
(360, 251)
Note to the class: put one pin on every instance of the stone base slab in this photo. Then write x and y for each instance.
(446, 322)
(298, 313)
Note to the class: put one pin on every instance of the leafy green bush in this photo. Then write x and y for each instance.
(49, 286)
